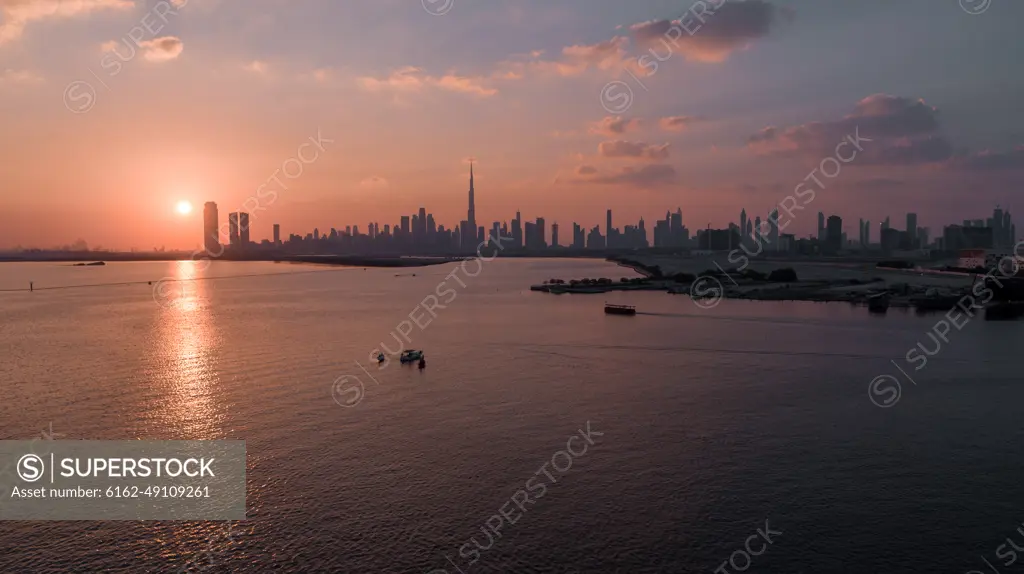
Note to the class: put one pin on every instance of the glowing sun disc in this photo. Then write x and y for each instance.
(184, 208)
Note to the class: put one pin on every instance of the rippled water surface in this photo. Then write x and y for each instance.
(704, 423)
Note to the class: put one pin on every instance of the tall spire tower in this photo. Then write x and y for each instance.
(472, 200)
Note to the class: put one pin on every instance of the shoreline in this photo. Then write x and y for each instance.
(878, 288)
(93, 259)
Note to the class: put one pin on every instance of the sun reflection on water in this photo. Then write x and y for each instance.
(189, 341)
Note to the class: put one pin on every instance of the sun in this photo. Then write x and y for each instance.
(183, 208)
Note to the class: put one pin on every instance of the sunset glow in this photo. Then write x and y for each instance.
(571, 109)
(184, 208)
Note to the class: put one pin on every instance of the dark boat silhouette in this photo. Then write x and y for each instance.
(878, 303)
(619, 309)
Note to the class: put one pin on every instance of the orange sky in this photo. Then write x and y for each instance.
(107, 129)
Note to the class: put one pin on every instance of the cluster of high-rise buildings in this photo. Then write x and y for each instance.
(419, 233)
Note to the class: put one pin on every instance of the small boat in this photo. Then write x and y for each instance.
(1004, 310)
(878, 303)
(381, 358)
(411, 356)
(619, 309)
(935, 302)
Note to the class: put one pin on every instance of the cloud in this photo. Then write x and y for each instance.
(620, 148)
(586, 170)
(676, 123)
(647, 176)
(710, 35)
(610, 126)
(608, 55)
(413, 80)
(724, 30)
(16, 14)
(564, 134)
(162, 49)
(10, 76)
(988, 160)
(895, 131)
(374, 182)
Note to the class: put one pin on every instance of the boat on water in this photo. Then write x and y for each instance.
(411, 356)
(934, 300)
(619, 309)
(878, 303)
(1004, 311)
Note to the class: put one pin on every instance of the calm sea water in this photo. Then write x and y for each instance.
(705, 423)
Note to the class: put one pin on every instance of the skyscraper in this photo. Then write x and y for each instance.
(243, 226)
(277, 234)
(554, 234)
(517, 231)
(676, 228)
(233, 229)
(472, 198)
(743, 226)
(773, 232)
(211, 233)
(912, 229)
(834, 234)
(419, 230)
(821, 226)
(530, 235)
(469, 235)
(541, 237)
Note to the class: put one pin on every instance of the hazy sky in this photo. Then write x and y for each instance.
(115, 110)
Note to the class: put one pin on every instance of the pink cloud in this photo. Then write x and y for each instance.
(412, 79)
(620, 148)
